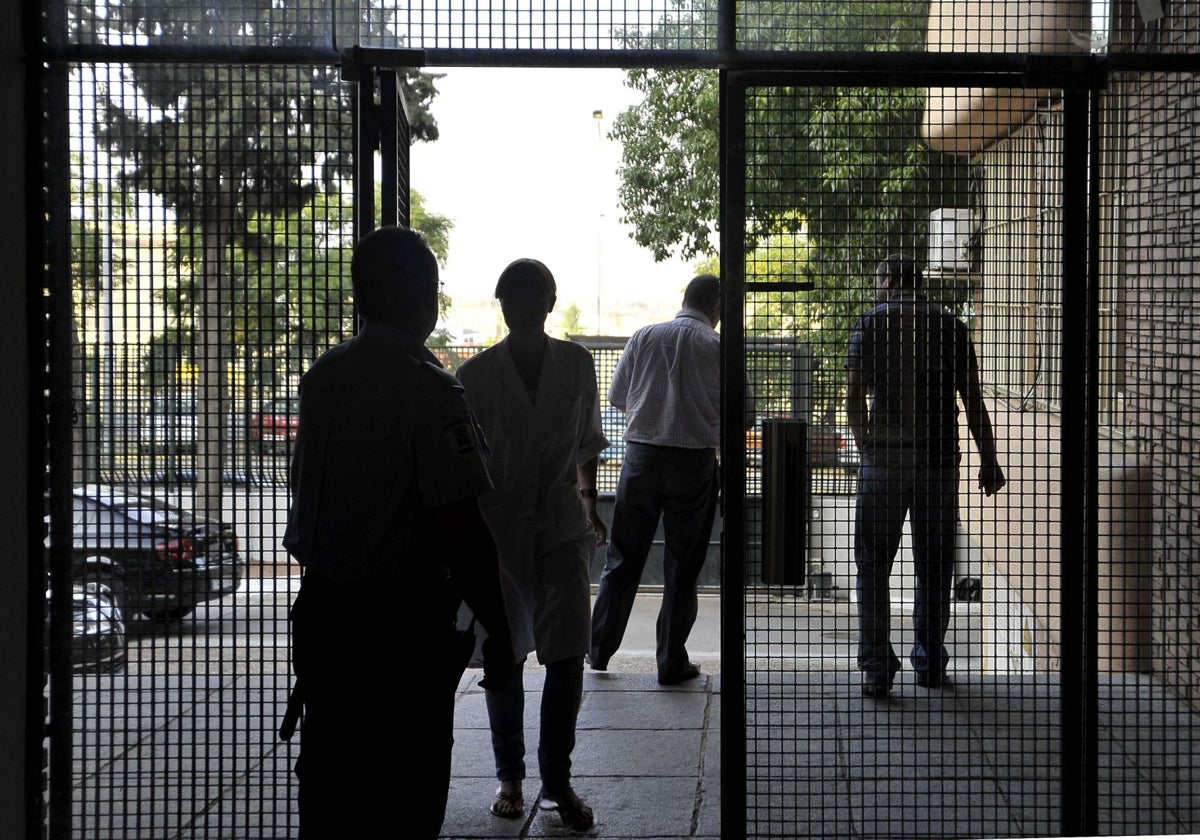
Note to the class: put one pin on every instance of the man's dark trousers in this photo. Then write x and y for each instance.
(681, 487)
(886, 495)
(376, 661)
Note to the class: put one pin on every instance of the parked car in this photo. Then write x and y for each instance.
(274, 425)
(98, 641)
(824, 444)
(612, 422)
(754, 444)
(847, 452)
(154, 559)
(169, 425)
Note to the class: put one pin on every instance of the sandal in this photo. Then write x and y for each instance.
(510, 806)
(576, 814)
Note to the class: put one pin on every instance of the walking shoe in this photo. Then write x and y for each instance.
(927, 680)
(875, 688)
(688, 672)
(595, 664)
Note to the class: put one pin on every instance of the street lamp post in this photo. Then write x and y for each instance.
(598, 116)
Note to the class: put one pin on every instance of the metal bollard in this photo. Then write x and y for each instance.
(786, 502)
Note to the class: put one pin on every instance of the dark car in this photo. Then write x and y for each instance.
(97, 629)
(274, 425)
(155, 559)
(612, 423)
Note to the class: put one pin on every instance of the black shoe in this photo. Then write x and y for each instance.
(932, 680)
(875, 688)
(688, 672)
(595, 664)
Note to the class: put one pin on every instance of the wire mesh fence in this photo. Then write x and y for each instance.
(211, 220)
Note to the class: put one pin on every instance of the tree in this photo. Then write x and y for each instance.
(844, 168)
(571, 320)
(226, 148)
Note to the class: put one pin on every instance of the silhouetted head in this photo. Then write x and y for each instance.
(896, 272)
(704, 293)
(527, 293)
(395, 278)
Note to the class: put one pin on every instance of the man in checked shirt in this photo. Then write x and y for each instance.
(668, 383)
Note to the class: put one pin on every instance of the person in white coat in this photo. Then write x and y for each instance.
(537, 401)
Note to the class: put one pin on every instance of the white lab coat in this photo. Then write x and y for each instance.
(545, 540)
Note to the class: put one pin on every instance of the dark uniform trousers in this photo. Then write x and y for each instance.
(377, 666)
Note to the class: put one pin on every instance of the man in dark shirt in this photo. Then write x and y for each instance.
(912, 360)
(385, 520)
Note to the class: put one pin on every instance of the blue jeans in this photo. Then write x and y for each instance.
(681, 487)
(886, 495)
(561, 697)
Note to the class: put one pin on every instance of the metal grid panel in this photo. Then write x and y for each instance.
(530, 25)
(991, 756)
(820, 760)
(836, 179)
(1153, 535)
(182, 23)
(983, 26)
(211, 233)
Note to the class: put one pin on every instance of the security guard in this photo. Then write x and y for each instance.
(386, 474)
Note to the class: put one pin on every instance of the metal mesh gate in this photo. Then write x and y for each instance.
(198, 234)
(1052, 693)
(208, 268)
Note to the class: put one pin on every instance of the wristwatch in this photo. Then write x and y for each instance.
(589, 492)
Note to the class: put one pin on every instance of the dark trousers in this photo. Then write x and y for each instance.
(374, 665)
(680, 487)
(886, 495)
(562, 694)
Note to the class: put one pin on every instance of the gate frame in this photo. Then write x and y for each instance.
(1081, 77)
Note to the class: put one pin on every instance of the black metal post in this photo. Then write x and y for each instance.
(1078, 561)
(733, 457)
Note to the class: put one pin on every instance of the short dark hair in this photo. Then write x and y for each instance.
(703, 292)
(524, 276)
(903, 267)
(395, 275)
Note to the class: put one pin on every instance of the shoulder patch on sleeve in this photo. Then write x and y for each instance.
(461, 436)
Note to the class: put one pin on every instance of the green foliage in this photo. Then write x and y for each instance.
(435, 226)
(836, 177)
(571, 320)
(670, 189)
(255, 162)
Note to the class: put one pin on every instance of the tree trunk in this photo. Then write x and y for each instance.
(213, 351)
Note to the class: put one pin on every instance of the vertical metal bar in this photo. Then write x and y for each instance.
(1079, 461)
(55, 351)
(400, 149)
(36, 745)
(389, 198)
(366, 141)
(1091, 594)
(733, 456)
(726, 28)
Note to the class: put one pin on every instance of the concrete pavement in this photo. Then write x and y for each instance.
(194, 755)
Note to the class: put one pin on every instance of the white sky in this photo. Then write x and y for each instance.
(523, 171)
